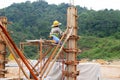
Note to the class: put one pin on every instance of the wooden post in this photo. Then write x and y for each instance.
(41, 56)
(3, 21)
(71, 62)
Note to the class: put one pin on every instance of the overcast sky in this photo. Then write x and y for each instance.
(90, 4)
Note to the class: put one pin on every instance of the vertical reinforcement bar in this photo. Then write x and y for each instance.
(18, 52)
(71, 71)
(3, 21)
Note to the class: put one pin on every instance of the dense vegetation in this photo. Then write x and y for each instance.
(99, 48)
(99, 30)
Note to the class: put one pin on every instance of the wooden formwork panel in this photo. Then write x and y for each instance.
(71, 71)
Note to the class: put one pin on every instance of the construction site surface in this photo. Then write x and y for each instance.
(109, 70)
(56, 61)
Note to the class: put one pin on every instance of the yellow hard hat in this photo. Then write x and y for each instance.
(56, 23)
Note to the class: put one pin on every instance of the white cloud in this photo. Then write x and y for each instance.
(94, 4)
(5, 3)
(100, 4)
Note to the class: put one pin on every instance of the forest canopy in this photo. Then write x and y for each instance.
(99, 30)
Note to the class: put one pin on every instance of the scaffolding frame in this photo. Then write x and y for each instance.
(69, 37)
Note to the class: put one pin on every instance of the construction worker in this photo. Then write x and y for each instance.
(55, 29)
(56, 32)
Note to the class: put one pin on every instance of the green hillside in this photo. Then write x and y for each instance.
(99, 48)
(99, 30)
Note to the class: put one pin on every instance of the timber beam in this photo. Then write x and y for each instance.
(71, 74)
(72, 50)
(70, 62)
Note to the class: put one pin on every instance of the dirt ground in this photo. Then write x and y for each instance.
(109, 70)
(111, 79)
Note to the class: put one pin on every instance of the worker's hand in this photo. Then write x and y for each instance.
(63, 33)
(50, 36)
(0, 23)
